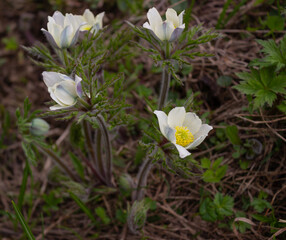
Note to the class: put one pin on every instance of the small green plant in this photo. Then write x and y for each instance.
(216, 209)
(214, 172)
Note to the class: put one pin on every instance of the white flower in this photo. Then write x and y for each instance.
(168, 30)
(92, 23)
(63, 90)
(184, 130)
(63, 30)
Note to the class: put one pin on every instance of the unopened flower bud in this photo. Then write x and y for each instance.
(39, 127)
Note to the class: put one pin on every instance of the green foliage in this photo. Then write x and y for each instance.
(232, 134)
(214, 172)
(217, 209)
(275, 54)
(263, 84)
(224, 81)
(11, 43)
(83, 207)
(23, 222)
(260, 204)
(240, 225)
(100, 212)
(77, 164)
(223, 19)
(52, 201)
(132, 6)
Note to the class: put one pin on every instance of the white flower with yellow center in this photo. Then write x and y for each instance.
(92, 23)
(63, 30)
(170, 29)
(63, 90)
(184, 130)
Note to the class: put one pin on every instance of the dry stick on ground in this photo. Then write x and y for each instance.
(272, 130)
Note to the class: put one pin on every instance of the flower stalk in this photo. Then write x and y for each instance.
(108, 150)
(142, 176)
(51, 154)
(165, 82)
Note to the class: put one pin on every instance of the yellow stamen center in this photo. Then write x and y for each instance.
(183, 136)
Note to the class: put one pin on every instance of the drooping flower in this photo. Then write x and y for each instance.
(63, 30)
(170, 29)
(184, 130)
(63, 90)
(93, 23)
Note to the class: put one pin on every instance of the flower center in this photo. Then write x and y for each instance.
(183, 136)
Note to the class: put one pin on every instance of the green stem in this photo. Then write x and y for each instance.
(65, 55)
(142, 176)
(108, 157)
(51, 154)
(99, 163)
(165, 82)
(87, 133)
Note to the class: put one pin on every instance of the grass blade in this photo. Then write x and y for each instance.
(22, 221)
(83, 207)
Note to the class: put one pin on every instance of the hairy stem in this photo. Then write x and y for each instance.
(94, 156)
(142, 176)
(107, 143)
(165, 82)
(51, 154)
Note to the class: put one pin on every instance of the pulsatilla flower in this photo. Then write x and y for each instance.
(63, 90)
(63, 30)
(93, 23)
(184, 130)
(168, 30)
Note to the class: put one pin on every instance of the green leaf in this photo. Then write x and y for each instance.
(264, 96)
(121, 215)
(224, 81)
(100, 211)
(275, 23)
(240, 225)
(232, 134)
(282, 106)
(205, 163)
(83, 207)
(77, 165)
(207, 210)
(260, 204)
(24, 224)
(24, 184)
(224, 205)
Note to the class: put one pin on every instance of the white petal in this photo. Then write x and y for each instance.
(163, 123)
(99, 19)
(183, 152)
(78, 86)
(192, 122)
(176, 117)
(204, 130)
(164, 30)
(66, 37)
(154, 18)
(66, 93)
(55, 30)
(200, 136)
(147, 25)
(51, 78)
(88, 16)
(57, 107)
(59, 18)
(169, 29)
(181, 18)
(171, 16)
